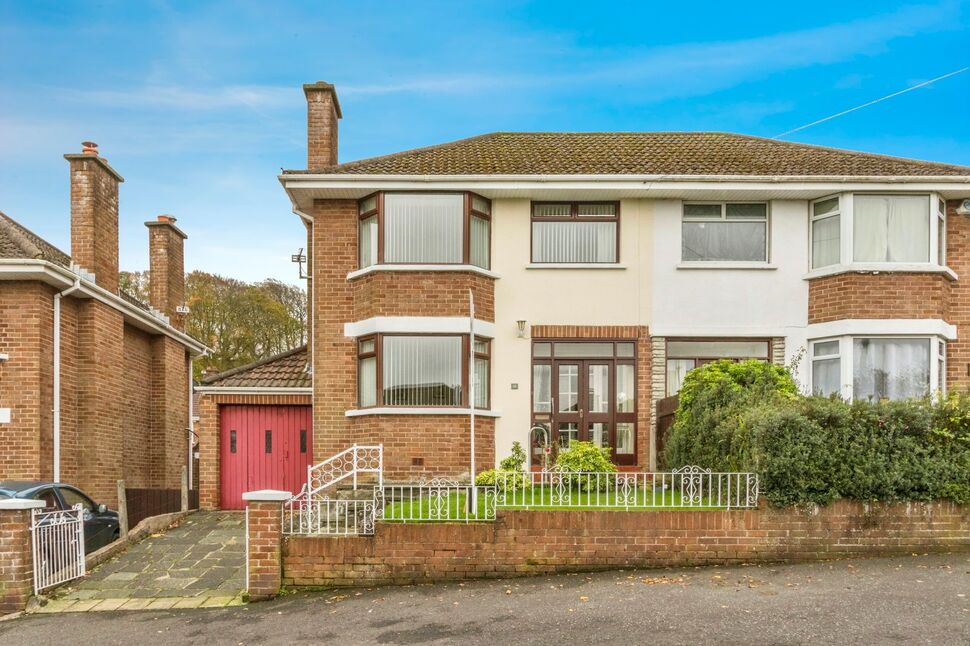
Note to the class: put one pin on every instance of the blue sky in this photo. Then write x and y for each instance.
(198, 105)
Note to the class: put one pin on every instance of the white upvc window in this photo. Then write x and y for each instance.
(724, 232)
(878, 231)
(878, 367)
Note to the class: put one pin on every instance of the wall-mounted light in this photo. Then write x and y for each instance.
(521, 326)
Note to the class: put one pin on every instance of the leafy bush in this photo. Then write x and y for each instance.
(502, 479)
(585, 457)
(514, 462)
(817, 449)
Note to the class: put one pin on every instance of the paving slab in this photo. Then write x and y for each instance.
(200, 561)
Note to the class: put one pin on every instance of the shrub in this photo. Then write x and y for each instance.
(502, 479)
(514, 462)
(817, 449)
(585, 457)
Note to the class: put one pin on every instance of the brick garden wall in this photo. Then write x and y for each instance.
(523, 543)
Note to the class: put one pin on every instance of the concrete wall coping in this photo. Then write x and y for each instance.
(267, 495)
(20, 503)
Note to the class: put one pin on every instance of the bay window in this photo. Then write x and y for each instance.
(729, 232)
(575, 232)
(875, 368)
(424, 228)
(400, 370)
(874, 230)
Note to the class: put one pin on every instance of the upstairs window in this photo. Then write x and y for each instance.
(424, 228)
(891, 228)
(726, 232)
(826, 232)
(575, 232)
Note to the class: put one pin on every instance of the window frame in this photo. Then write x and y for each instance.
(936, 257)
(723, 218)
(702, 360)
(812, 219)
(574, 216)
(846, 356)
(468, 212)
(378, 354)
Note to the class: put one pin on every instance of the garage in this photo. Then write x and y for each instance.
(255, 429)
(263, 447)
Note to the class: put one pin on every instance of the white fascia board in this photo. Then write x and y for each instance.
(418, 325)
(265, 390)
(59, 277)
(882, 268)
(882, 327)
(396, 410)
(646, 183)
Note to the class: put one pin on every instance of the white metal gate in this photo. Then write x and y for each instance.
(58, 544)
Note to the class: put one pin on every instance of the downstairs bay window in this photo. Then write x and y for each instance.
(420, 371)
(875, 368)
(878, 232)
(424, 229)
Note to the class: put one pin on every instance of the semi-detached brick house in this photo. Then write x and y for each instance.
(604, 266)
(94, 385)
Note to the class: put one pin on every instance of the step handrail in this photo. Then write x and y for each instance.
(357, 459)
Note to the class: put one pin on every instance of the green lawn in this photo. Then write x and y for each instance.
(539, 498)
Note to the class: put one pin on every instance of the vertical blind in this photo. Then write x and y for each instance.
(479, 242)
(367, 382)
(422, 371)
(891, 228)
(368, 241)
(423, 228)
(542, 388)
(576, 242)
(481, 382)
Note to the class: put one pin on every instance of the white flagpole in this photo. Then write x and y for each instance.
(471, 393)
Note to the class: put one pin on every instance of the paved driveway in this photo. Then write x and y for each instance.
(200, 562)
(920, 599)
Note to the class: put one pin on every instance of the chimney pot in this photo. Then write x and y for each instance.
(167, 218)
(89, 148)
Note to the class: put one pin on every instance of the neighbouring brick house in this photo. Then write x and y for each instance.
(603, 267)
(94, 385)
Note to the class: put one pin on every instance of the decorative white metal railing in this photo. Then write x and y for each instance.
(349, 463)
(58, 546)
(438, 500)
(688, 487)
(322, 515)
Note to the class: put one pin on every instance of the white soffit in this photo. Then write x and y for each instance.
(883, 327)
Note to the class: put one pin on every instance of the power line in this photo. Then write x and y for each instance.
(866, 105)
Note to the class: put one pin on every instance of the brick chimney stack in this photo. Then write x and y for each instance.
(166, 275)
(323, 112)
(94, 215)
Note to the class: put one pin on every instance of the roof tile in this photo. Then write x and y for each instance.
(286, 370)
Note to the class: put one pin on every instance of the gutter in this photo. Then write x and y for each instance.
(352, 178)
(33, 269)
(57, 375)
(253, 390)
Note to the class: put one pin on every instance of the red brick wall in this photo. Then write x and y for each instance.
(522, 543)
(26, 317)
(207, 429)
(121, 401)
(321, 125)
(167, 274)
(16, 571)
(414, 293)
(958, 259)
(264, 532)
(878, 296)
(137, 404)
(94, 218)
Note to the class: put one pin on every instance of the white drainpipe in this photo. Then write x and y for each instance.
(191, 424)
(57, 375)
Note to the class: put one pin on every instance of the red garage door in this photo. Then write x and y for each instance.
(263, 447)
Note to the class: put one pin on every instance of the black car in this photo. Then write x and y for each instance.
(100, 523)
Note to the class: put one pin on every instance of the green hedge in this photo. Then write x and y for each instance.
(815, 449)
